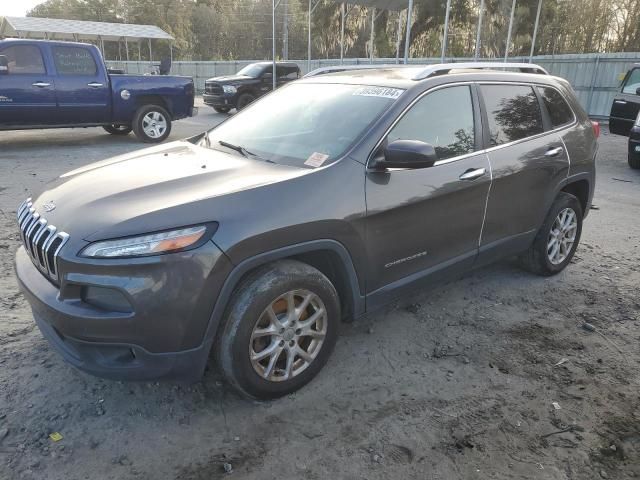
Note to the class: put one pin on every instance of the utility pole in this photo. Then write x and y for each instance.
(478, 39)
(513, 12)
(285, 31)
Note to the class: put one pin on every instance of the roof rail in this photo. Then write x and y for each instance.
(348, 68)
(441, 68)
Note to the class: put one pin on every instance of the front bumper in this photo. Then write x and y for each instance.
(634, 143)
(163, 336)
(224, 100)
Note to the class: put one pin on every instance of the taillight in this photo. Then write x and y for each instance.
(596, 128)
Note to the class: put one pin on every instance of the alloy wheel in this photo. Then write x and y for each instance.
(154, 124)
(288, 335)
(562, 236)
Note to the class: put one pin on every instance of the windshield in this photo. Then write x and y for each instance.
(304, 124)
(252, 71)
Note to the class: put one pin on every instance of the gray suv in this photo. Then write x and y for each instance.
(318, 203)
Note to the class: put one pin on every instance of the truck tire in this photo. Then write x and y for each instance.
(118, 129)
(281, 326)
(152, 124)
(222, 109)
(557, 239)
(634, 159)
(244, 100)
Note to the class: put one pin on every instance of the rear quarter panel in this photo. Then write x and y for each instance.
(176, 94)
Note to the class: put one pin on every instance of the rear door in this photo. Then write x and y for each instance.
(626, 104)
(527, 163)
(27, 92)
(82, 88)
(286, 74)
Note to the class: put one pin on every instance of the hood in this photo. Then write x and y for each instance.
(166, 186)
(231, 79)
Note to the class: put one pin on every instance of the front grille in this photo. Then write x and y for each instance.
(42, 241)
(213, 88)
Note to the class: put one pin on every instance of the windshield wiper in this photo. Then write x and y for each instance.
(243, 151)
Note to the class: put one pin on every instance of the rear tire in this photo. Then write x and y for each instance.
(557, 239)
(222, 109)
(244, 100)
(152, 124)
(118, 129)
(634, 160)
(267, 316)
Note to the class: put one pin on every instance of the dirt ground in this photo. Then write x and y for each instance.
(458, 382)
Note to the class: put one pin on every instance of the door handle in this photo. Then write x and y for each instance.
(621, 102)
(552, 152)
(41, 84)
(472, 174)
(95, 85)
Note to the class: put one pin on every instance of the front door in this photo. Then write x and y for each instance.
(83, 90)
(426, 221)
(27, 92)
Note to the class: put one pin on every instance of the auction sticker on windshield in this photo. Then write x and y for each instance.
(383, 92)
(316, 159)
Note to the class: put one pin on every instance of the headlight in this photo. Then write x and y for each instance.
(145, 245)
(229, 89)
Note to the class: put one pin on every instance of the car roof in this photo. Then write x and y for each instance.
(285, 64)
(49, 42)
(409, 76)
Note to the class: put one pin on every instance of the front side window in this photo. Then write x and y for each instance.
(513, 112)
(633, 82)
(24, 59)
(560, 112)
(74, 61)
(444, 119)
(304, 124)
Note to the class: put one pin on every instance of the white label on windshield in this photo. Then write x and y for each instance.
(383, 92)
(316, 159)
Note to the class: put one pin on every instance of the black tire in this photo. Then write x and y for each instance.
(222, 109)
(536, 259)
(118, 129)
(264, 287)
(244, 100)
(634, 160)
(140, 123)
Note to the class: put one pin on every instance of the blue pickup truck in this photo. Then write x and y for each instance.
(47, 84)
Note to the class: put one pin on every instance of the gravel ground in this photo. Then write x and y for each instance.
(456, 382)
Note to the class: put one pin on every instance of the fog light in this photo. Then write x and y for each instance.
(106, 299)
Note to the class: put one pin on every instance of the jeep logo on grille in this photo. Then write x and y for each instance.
(49, 207)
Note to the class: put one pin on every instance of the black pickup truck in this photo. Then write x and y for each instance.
(239, 90)
(625, 114)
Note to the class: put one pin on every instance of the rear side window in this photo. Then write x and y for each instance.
(559, 111)
(513, 112)
(74, 61)
(444, 119)
(633, 82)
(24, 59)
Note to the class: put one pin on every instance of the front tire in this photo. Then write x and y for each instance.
(222, 109)
(634, 159)
(244, 100)
(281, 326)
(557, 239)
(152, 124)
(118, 129)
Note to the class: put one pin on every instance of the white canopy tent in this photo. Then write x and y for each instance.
(79, 30)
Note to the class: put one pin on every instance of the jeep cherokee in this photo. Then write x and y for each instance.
(322, 201)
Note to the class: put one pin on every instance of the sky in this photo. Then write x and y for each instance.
(17, 8)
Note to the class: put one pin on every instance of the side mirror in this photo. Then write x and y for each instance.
(406, 154)
(638, 91)
(4, 65)
(267, 77)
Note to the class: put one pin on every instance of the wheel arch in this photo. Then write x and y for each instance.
(159, 100)
(328, 256)
(580, 188)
